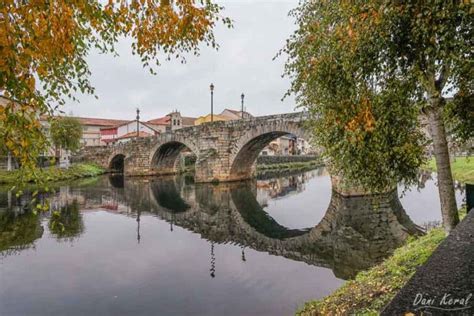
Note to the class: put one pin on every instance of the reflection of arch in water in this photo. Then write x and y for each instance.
(116, 181)
(164, 193)
(355, 233)
(213, 199)
(253, 214)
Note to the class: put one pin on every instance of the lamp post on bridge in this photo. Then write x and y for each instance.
(138, 123)
(212, 102)
(242, 96)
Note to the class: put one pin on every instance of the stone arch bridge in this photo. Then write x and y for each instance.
(225, 151)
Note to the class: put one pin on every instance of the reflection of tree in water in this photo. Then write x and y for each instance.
(66, 223)
(18, 231)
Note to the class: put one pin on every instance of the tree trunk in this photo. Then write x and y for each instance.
(9, 162)
(445, 179)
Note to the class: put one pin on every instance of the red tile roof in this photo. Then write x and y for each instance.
(165, 120)
(134, 134)
(100, 121)
(94, 121)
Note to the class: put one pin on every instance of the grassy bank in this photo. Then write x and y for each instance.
(371, 290)
(288, 166)
(462, 168)
(75, 171)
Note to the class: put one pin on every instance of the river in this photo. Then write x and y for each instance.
(168, 246)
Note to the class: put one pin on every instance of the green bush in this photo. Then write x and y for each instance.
(57, 174)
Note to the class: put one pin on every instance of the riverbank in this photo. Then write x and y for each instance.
(261, 168)
(445, 279)
(461, 167)
(371, 290)
(271, 168)
(52, 174)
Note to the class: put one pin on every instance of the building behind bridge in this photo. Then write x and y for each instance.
(106, 132)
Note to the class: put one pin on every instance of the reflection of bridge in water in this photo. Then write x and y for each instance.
(354, 233)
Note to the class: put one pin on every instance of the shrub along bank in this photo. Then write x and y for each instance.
(289, 165)
(371, 290)
(461, 167)
(75, 171)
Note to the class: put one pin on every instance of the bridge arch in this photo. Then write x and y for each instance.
(117, 162)
(249, 146)
(164, 155)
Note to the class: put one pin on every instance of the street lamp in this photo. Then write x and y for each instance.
(212, 102)
(138, 122)
(242, 96)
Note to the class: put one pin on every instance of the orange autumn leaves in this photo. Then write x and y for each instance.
(36, 36)
(44, 47)
(364, 120)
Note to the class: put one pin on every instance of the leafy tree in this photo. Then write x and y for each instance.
(66, 133)
(365, 69)
(44, 45)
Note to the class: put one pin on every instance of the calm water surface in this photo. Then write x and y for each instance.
(167, 246)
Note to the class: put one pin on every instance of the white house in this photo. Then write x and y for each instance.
(126, 131)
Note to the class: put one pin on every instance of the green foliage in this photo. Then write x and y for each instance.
(371, 290)
(66, 133)
(462, 168)
(52, 174)
(44, 47)
(365, 70)
(459, 114)
(363, 113)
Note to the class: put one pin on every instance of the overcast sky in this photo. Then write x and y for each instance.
(243, 63)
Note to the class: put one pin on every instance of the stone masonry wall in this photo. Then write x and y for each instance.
(225, 151)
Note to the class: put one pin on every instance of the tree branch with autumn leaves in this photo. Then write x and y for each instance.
(44, 47)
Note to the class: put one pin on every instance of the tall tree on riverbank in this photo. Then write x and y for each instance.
(44, 45)
(66, 133)
(365, 69)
